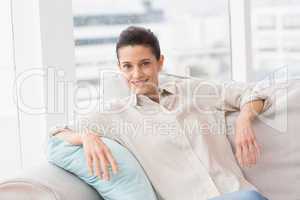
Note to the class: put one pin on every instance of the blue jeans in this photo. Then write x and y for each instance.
(241, 195)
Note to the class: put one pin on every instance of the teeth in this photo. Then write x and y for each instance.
(142, 81)
(139, 82)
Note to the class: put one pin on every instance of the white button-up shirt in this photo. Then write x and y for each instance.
(181, 141)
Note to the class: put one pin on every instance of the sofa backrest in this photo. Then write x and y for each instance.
(277, 173)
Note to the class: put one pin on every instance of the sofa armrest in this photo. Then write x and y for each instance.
(48, 182)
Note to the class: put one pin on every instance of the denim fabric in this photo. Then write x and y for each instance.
(241, 195)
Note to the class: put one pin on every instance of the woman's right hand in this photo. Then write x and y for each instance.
(98, 156)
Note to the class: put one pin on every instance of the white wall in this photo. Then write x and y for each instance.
(28, 56)
(35, 35)
(9, 146)
(43, 39)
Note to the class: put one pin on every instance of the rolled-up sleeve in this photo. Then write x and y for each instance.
(101, 123)
(97, 122)
(235, 95)
(60, 128)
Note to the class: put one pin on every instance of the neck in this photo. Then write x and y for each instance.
(154, 97)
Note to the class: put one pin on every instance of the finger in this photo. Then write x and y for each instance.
(89, 161)
(104, 166)
(257, 148)
(252, 148)
(239, 154)
(111, 161)
(96, 163)
(245, 152)
(252, 153)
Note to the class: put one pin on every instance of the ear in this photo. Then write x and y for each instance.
(161, 62)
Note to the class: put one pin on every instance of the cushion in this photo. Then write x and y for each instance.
(130, 183)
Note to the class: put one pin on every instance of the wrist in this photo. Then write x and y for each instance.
(245, 117)
(82, 137)
(87, 135)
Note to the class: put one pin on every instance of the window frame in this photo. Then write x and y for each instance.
(241, 40)
(39, 28)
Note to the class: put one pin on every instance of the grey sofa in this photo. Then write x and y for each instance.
(46, 182)
(277, 175)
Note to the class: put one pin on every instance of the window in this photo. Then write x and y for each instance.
(275, 36)
(194, 35)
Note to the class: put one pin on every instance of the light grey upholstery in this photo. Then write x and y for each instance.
(277, 174)
(46, 182)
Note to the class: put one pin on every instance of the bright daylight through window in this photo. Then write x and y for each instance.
(194, 39)
(275, 36)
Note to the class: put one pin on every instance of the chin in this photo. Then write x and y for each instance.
(142, 91)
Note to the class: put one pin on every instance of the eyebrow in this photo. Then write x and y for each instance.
(125, 62)
(143, 60)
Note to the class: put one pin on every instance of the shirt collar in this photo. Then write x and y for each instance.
(168, 88)
(164, 90)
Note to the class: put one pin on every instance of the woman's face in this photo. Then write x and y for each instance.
(140, 68)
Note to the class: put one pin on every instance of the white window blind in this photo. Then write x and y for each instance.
(275, 32)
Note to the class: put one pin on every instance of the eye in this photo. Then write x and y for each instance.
(145, 63)
(126, 66)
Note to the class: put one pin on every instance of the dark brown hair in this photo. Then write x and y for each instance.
(134, 35)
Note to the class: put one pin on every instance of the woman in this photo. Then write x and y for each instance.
(177, 130)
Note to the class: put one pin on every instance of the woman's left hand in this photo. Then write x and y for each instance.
(247, 149)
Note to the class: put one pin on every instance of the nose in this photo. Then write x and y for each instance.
(137, 72)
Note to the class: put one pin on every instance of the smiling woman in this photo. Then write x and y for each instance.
(140, 61)
(165, 151)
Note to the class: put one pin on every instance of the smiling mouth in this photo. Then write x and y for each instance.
(139, 82)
